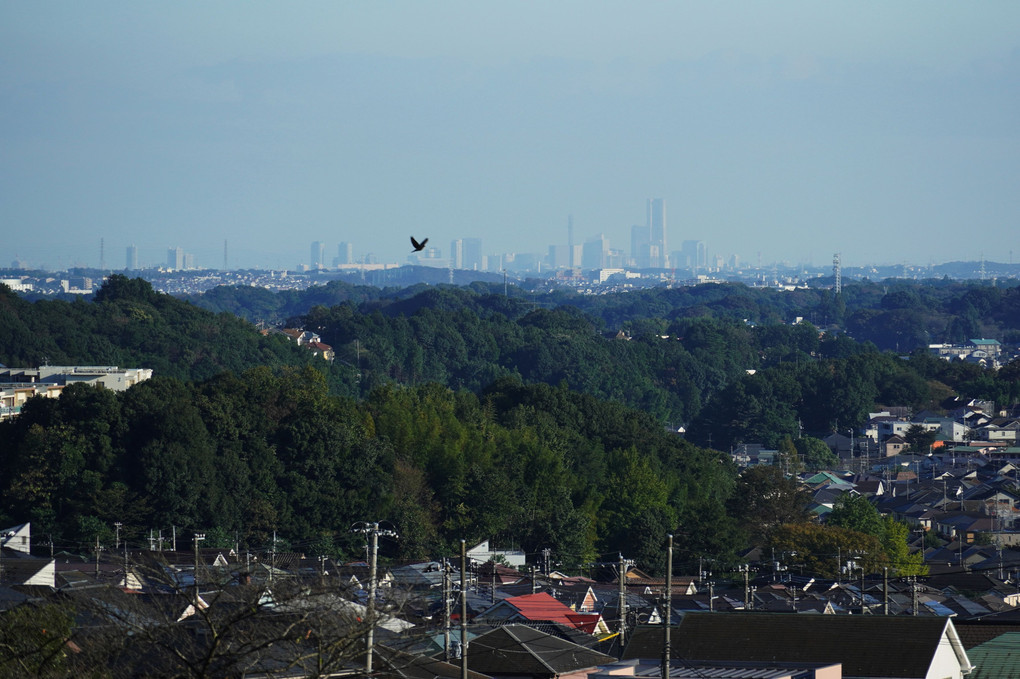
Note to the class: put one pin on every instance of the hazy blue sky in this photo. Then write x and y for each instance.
(887, 131)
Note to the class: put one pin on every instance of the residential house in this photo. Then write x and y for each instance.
(991, 347)
(1001, 429)
(541, 607)
(17, 564)
(890, 647)
(301, 336)
(320, 349)
(391, 662)
(839, 444)
(522, 652)
(893, 445)
(481, 553)
(997, 658)
(685, 669)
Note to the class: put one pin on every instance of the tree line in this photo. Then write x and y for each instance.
(453, 413)
(241, 457)
(895, 315)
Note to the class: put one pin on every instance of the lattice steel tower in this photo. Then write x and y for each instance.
(837, 273)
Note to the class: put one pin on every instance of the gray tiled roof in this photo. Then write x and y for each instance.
(522, 650)
(867, 646)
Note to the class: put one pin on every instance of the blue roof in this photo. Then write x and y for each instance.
(938, 609)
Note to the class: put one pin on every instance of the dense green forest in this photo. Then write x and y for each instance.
(130, 325)
(685, 371)
(450, 412)
(240, 457)
(894, 315)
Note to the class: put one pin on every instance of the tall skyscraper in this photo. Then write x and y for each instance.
(693, 255)
(553, 257)
(639, 246)
(570, 242)
(175, 259)
(345, 253)
(656, 221)
(132, 258)
(594, 254)
(318, 256)
(473, 260)
(457, 254)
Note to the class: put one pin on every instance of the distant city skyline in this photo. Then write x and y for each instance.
(772, 132)
(690, 255)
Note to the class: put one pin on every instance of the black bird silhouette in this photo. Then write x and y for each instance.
(418, 247)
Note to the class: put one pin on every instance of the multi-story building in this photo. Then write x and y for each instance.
(318, 255)
(344, 253)
(593, 256)
(692, 255)
(17, 385)
(473, 259)
(175, 259)
(457, 254)
(640, 246)
(656, 221)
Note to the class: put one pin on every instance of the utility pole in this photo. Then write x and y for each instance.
(745, 569)
(272, 558)
(463, 611)
(97, 556)
(863, 607)
(198, 538)
(667, 608)
(885, 590)
(371, 596)
(534, 581)
(446, 610)
(117, 526)
(624, 564)
(373, 530)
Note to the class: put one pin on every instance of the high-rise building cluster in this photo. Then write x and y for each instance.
(649, 249)
(179, 260)
(649, 246)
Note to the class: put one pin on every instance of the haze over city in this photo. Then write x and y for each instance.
(777, 132)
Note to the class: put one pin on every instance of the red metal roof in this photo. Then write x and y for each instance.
(543, 606)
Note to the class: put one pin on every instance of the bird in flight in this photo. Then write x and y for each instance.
(418, 247)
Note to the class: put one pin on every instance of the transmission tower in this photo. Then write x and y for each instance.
(837, 273)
